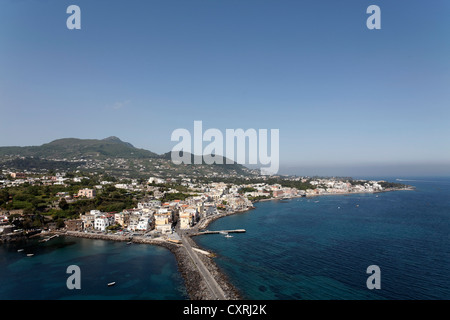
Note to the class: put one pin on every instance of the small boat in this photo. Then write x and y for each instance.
(129, 242)
(228, 236)
(30, 254)
(111, 284)
(20, 250)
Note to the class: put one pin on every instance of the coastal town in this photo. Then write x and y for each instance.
(161, 211)
(162, 206)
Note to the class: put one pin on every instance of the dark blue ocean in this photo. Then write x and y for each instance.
(320, 248)
(315, 248)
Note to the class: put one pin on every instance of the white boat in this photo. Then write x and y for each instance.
(20, 250)
(111, 284)
(30, 254)
(228, 236)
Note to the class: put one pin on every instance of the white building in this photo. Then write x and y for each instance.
(155, 180)
(144, 224)
(133, 223)
(101, 222)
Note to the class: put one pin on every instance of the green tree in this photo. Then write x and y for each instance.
(4, 197)
(33, 190)
(114, 227)
(28, 211)
(37, 223)
(60, 223)
(63, 204)
(27, 223)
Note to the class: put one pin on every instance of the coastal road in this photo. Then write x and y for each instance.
(212, 284)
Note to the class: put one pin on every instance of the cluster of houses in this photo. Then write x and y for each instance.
(206, 199)
(19, 178)
(160, 217)
(331, 186)
(152, 215)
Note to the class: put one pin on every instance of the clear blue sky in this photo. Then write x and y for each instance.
(343, 96)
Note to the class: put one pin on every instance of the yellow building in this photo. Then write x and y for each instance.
(163, 220)
(88, 193)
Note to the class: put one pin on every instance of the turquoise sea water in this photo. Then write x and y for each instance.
(140, 271)
(320, 248)
(316, 248)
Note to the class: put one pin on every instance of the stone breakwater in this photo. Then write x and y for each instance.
(17, 237)
(231, 292)
(194, 282)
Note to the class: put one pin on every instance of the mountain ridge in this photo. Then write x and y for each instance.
(75, 147)
(60, 153)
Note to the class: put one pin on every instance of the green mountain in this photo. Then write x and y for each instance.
(110, 155)
(71, 148)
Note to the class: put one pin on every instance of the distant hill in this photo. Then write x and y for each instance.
(168, 156)
(60, 155)
(72, 148)
(198, 161)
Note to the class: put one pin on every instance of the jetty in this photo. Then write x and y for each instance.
(218, 232)
(49, 238)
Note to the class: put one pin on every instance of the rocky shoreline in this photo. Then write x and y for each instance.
(196, 287)
(18, 237)
(195, 284)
